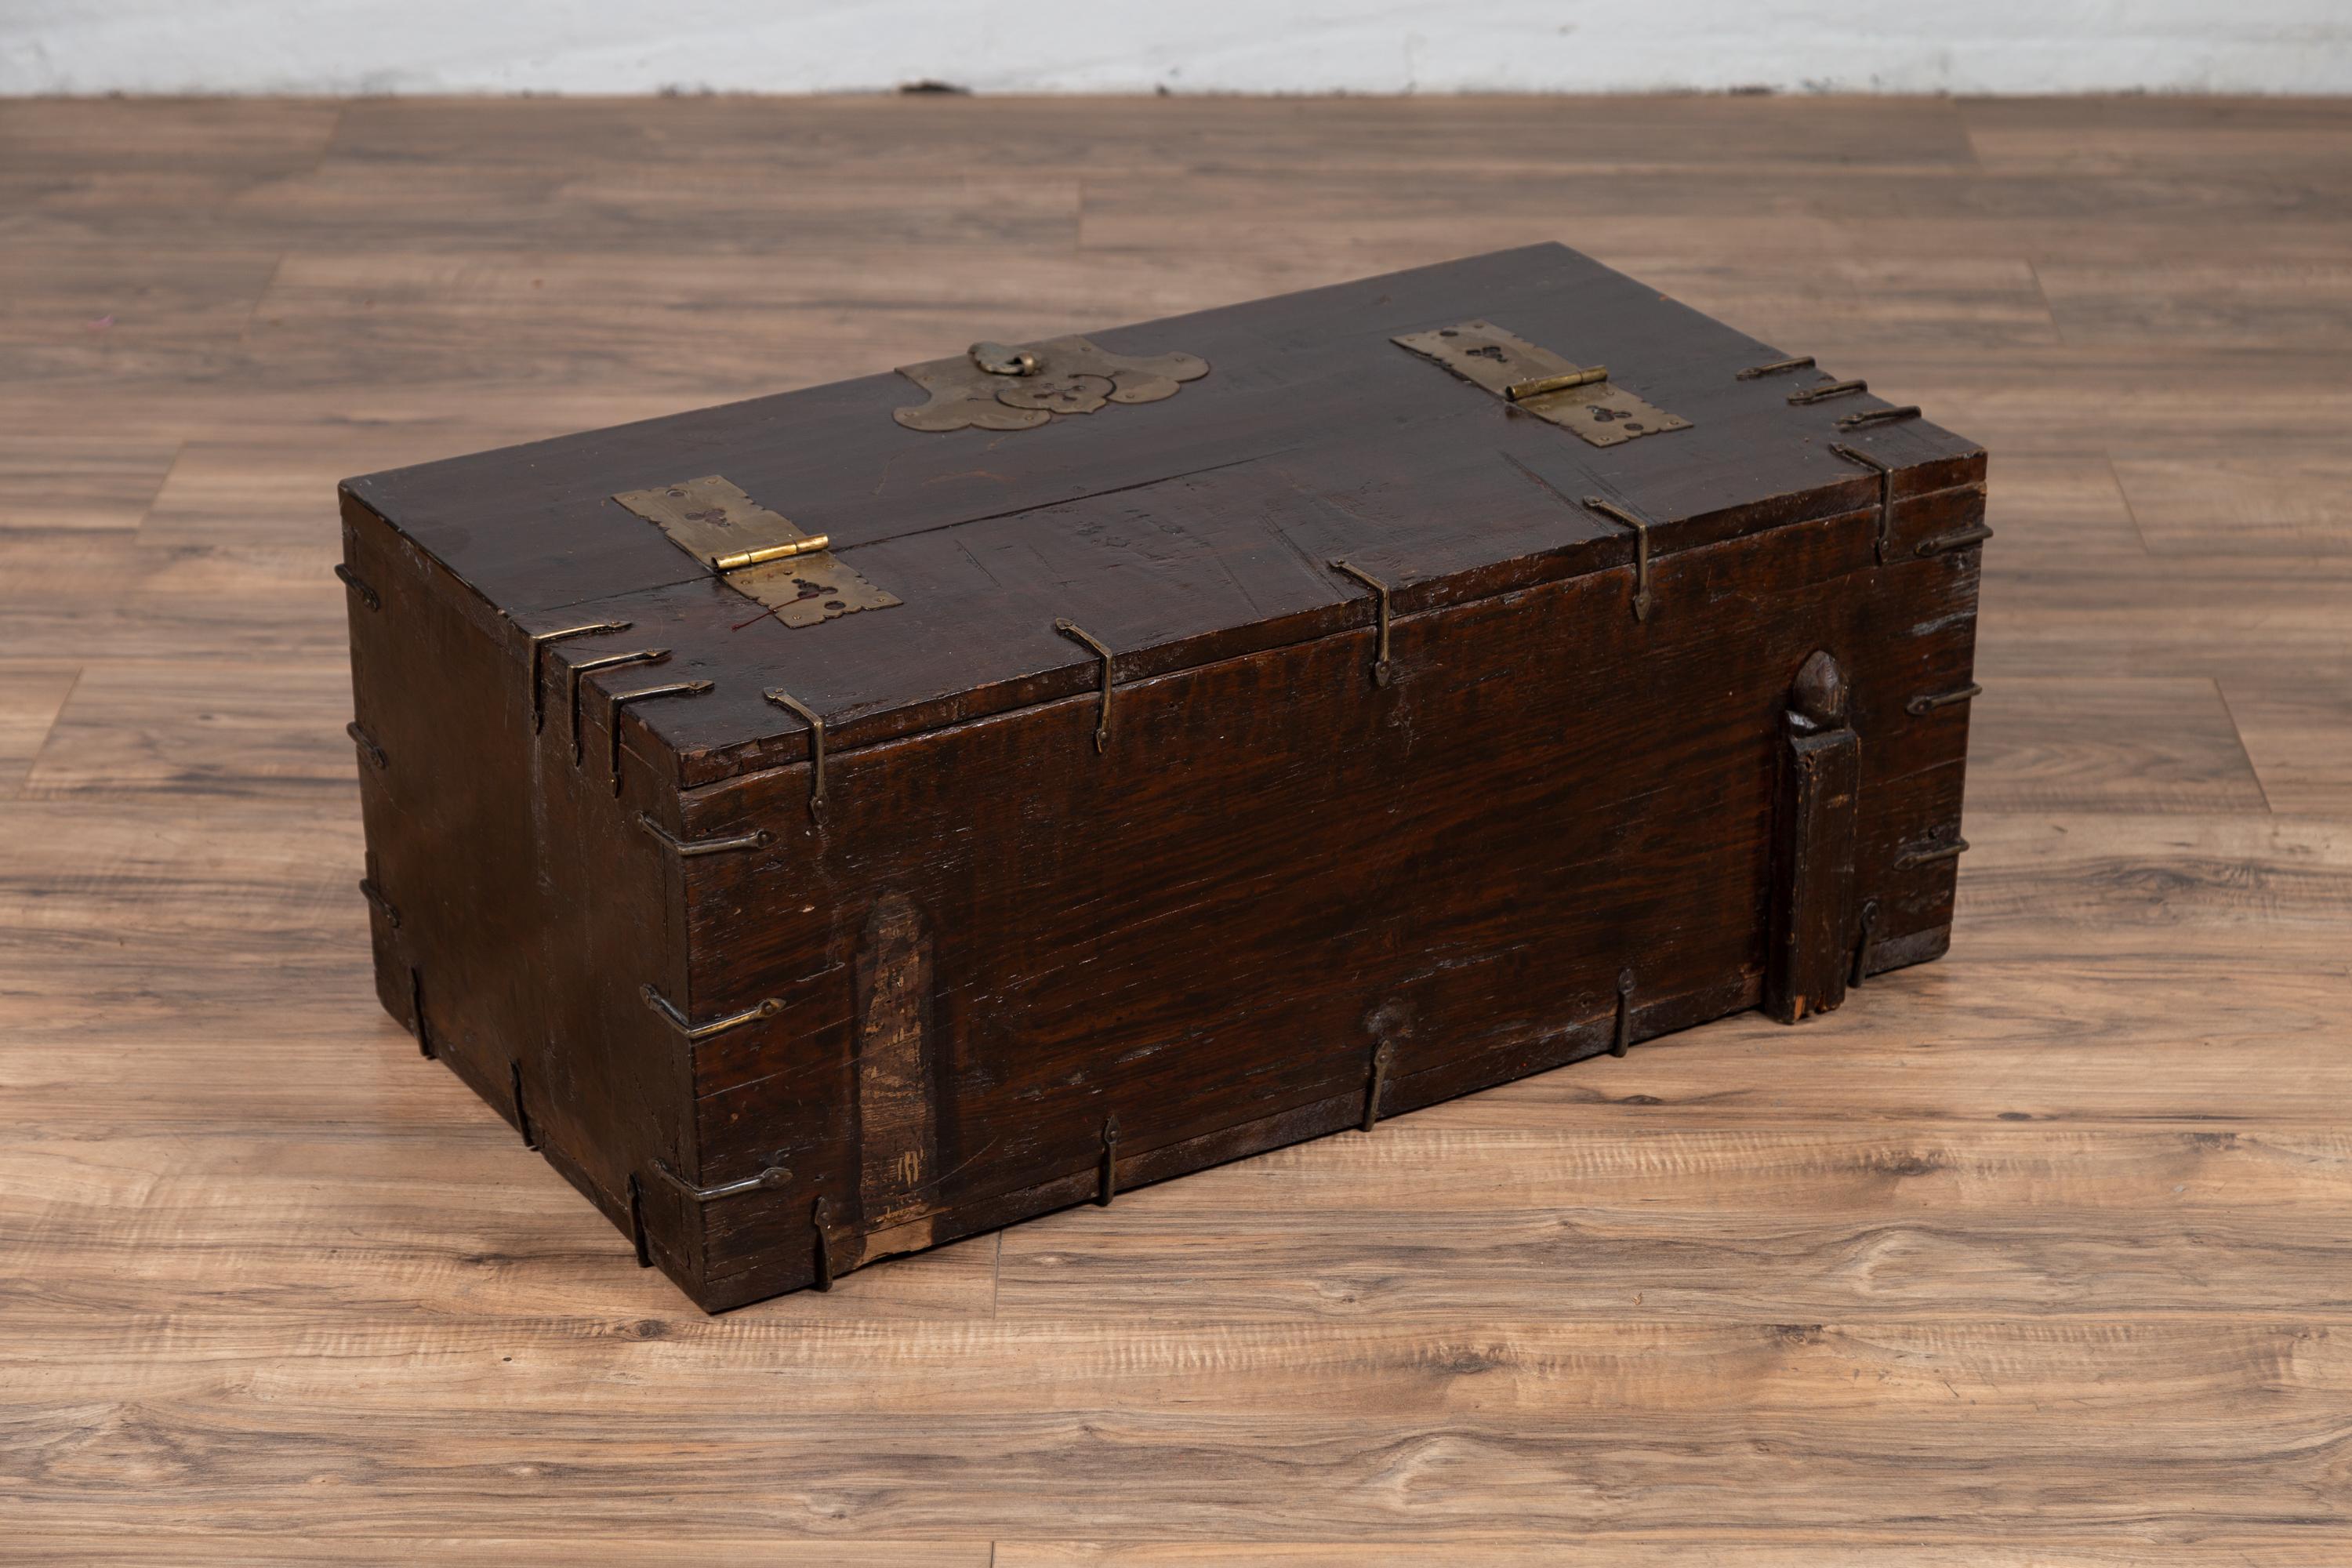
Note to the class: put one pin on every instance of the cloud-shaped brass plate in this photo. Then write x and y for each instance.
(1037, 381)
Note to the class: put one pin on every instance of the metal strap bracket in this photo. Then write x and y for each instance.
(1776, 367)
(1384, 669)
(1958, 538)
(1928, 702)
(1109, 1187)
(1928, 851)
(686, 848)
(368, 596)
(1078, 634)
(367, 745)
(1885, 472)
(1864, 942)
(589, 667)
(539, 641)
(676, 1020)
(382, 906)
(644, 694)
(1824, 390)
(806, 715)
(823, 1245)
(774, 1176)
(1878, 417)
(1641, 528)
(1376, 1087)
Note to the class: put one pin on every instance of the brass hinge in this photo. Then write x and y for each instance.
(998, 387)
(1575, 397)
(795, 575)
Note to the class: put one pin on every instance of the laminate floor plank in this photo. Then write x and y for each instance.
(2298, 736)
(2142, 744)
(200, 725)
(59, 484)
(2036, 1255)
(31, 693)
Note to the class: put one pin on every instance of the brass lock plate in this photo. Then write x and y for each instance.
(994, 386)
(1575, 397)
(758, 551)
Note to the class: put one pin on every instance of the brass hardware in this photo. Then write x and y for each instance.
(1878, 417)
(352, 580)
(1109, 1187)
(368, 748)
(1928, 851)
(1539, 382)
(1622, 1040)
(1885, 472)
(1929, 703)
(1861, 946)
(523, 1116)
(693, 1031)
(1958, 538)
(685, 849)
(823, 1246)
(994, 386)
(589, 667)
(1102, 722)
(1641, 528)
(784, 552)
(1824, 390)
(997, 359)
(384, 906)
(1521, 391)
(806, 715)
(539, 641)
(758, 551)
(416, 1011)
(623, 699)
(1383, 670)
(774, 1176)
(1382, 1054)
(637, 1223)
(1777, 367)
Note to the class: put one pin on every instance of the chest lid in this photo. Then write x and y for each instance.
(984, 530)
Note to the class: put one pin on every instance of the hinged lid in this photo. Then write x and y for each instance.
(1174, 526)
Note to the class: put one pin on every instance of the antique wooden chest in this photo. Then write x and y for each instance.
(833, 824)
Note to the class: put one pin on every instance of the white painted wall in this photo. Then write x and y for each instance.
(1182, 46)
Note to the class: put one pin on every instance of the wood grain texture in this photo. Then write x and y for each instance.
(2032, 1256)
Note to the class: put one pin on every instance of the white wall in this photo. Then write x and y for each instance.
(1183, 45)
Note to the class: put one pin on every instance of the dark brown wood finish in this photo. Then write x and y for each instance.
(1038, 941)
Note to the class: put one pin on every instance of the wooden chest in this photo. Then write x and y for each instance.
(833, 824)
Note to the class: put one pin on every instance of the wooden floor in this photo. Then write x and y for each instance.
(2042, 1253)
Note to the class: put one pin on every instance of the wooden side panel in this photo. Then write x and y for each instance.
(1278, 865)
(531, 907)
